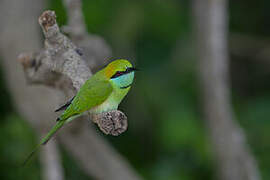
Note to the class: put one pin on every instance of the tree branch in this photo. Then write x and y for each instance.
(76, 26)
(60, 57)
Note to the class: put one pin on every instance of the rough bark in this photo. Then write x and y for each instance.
(36, 103)
(233, 157)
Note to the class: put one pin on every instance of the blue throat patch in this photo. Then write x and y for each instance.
(124, 81)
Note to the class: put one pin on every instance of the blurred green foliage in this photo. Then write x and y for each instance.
(167, 138)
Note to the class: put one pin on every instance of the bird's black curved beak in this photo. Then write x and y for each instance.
(131, 69)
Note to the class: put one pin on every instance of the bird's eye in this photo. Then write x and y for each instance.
(117, 74)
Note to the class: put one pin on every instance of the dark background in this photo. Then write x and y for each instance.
(166, 138)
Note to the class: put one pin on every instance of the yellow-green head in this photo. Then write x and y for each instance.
(121, 73)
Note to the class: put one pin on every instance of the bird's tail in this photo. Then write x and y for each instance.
(44, 140)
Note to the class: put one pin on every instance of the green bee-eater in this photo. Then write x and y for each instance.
(102, 92)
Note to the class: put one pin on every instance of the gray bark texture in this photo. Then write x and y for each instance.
(233, 157)
(59, 66)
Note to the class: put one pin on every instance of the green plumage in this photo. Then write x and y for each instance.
(97, 88)
(102, 92)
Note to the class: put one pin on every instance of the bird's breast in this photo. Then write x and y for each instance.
(108, 105)
(112, 102)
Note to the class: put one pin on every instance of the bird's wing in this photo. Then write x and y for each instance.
(92, 93)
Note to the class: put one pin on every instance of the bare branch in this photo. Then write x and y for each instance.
(76, 26)
(60, 53)
(60, 57)
(113, 122)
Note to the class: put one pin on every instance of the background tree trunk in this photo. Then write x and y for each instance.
(233, 158)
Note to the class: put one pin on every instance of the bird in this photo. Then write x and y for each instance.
(102, 92)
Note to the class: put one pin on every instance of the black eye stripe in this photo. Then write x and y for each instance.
(119, 73)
